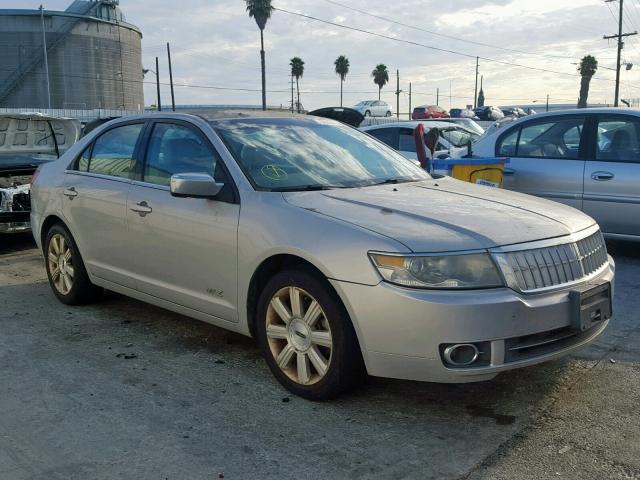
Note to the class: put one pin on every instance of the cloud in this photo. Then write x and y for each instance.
(215, 43)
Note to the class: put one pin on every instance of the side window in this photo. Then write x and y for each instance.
(507, 144)
(113, 151)
(178, 149)
(83, 160)
(618, 139)
(386, 135)
(556, 138)
(406, 140)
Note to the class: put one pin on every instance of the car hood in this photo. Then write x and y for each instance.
(444, 214)
(24, 134)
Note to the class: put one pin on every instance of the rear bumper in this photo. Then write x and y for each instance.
(402, 331)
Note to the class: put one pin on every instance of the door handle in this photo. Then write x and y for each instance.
(508, 171)
(602, 176)
(142, 208)
(70, 193)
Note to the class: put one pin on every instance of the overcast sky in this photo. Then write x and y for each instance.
(215, 44)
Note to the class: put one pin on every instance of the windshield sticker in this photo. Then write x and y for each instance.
(274, 172)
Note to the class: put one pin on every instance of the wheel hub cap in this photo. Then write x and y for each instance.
(299, 335)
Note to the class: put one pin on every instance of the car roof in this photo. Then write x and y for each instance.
(412, 124)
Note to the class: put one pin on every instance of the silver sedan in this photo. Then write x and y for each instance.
(335, 252)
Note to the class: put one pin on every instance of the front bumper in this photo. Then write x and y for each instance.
(14, 222)
(401, 331)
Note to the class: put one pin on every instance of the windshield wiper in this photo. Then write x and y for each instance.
(393, 181)
(306, 188)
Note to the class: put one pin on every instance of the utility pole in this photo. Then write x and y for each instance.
(410, 111)
(547, 102)
(398, 94)
(438, 96)
(158, 86)
(475, 94)
(619, 36)
(46, 59)
(173, 99)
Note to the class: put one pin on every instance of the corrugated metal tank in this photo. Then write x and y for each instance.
(94, 56)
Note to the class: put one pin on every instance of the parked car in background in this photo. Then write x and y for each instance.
(325, 262)
(586, 158)
(462, 112)
(513, 112)
(399, 136)
(489, 113)
(467, 123)
(27, 140)
(374, 108)
(429, 111)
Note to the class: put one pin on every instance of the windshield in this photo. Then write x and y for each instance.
(294, 154)
(458, 137)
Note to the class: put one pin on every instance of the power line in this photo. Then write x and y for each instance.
(431, 47)
(451, 37)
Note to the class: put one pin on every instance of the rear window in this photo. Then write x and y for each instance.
(419, 110)
(113, 151)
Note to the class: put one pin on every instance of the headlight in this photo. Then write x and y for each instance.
(474, 270)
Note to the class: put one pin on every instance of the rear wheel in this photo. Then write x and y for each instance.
(65, 269)
(307, 337)
(367, 113)
(388, 114)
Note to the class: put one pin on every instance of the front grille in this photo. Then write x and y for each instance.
(555, 265)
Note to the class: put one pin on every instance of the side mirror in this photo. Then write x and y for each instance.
(197, 185)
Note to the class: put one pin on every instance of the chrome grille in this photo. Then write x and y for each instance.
(555, 265)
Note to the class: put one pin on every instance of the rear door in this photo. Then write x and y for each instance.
(95, 199)
(546, 158)
(612, 176)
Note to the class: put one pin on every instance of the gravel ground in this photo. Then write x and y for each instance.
(125, 390)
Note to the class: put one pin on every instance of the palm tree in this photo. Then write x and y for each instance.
(297, 69)
(342, 68)
(260, 10)
(380, 76)
(587, 69)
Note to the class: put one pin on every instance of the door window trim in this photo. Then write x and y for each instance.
(144, 147)
(582, 147)
(594, 137)
(74, 165)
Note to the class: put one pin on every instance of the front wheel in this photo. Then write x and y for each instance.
(307, 337)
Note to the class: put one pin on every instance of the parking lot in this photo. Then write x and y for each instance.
(122, 389)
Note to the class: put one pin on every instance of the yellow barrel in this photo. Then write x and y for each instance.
(483, 171)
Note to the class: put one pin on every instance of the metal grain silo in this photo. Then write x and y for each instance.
(93, 59)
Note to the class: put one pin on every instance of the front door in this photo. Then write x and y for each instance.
(612, 178)
(184, 249)
(546, 158)
(95, 202)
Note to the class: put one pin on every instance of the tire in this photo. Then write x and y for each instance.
(65, 269)
(367, 113)
(388, 114)
(317, 359)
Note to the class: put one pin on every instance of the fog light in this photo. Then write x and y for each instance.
(461, 354)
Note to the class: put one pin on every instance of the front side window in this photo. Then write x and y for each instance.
(177, 149)
(113, 151)
(557, 138)
(294, 154)
(618, 140)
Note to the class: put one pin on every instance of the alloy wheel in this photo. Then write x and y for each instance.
(299, 335)
(60, 264)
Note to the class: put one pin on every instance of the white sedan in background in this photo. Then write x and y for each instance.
(399, 136)
(373, 108)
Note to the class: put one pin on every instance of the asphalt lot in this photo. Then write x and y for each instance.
(125, 390)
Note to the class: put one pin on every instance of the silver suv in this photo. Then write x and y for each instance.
(335, 252)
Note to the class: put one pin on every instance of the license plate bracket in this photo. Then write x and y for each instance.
(590, 305)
